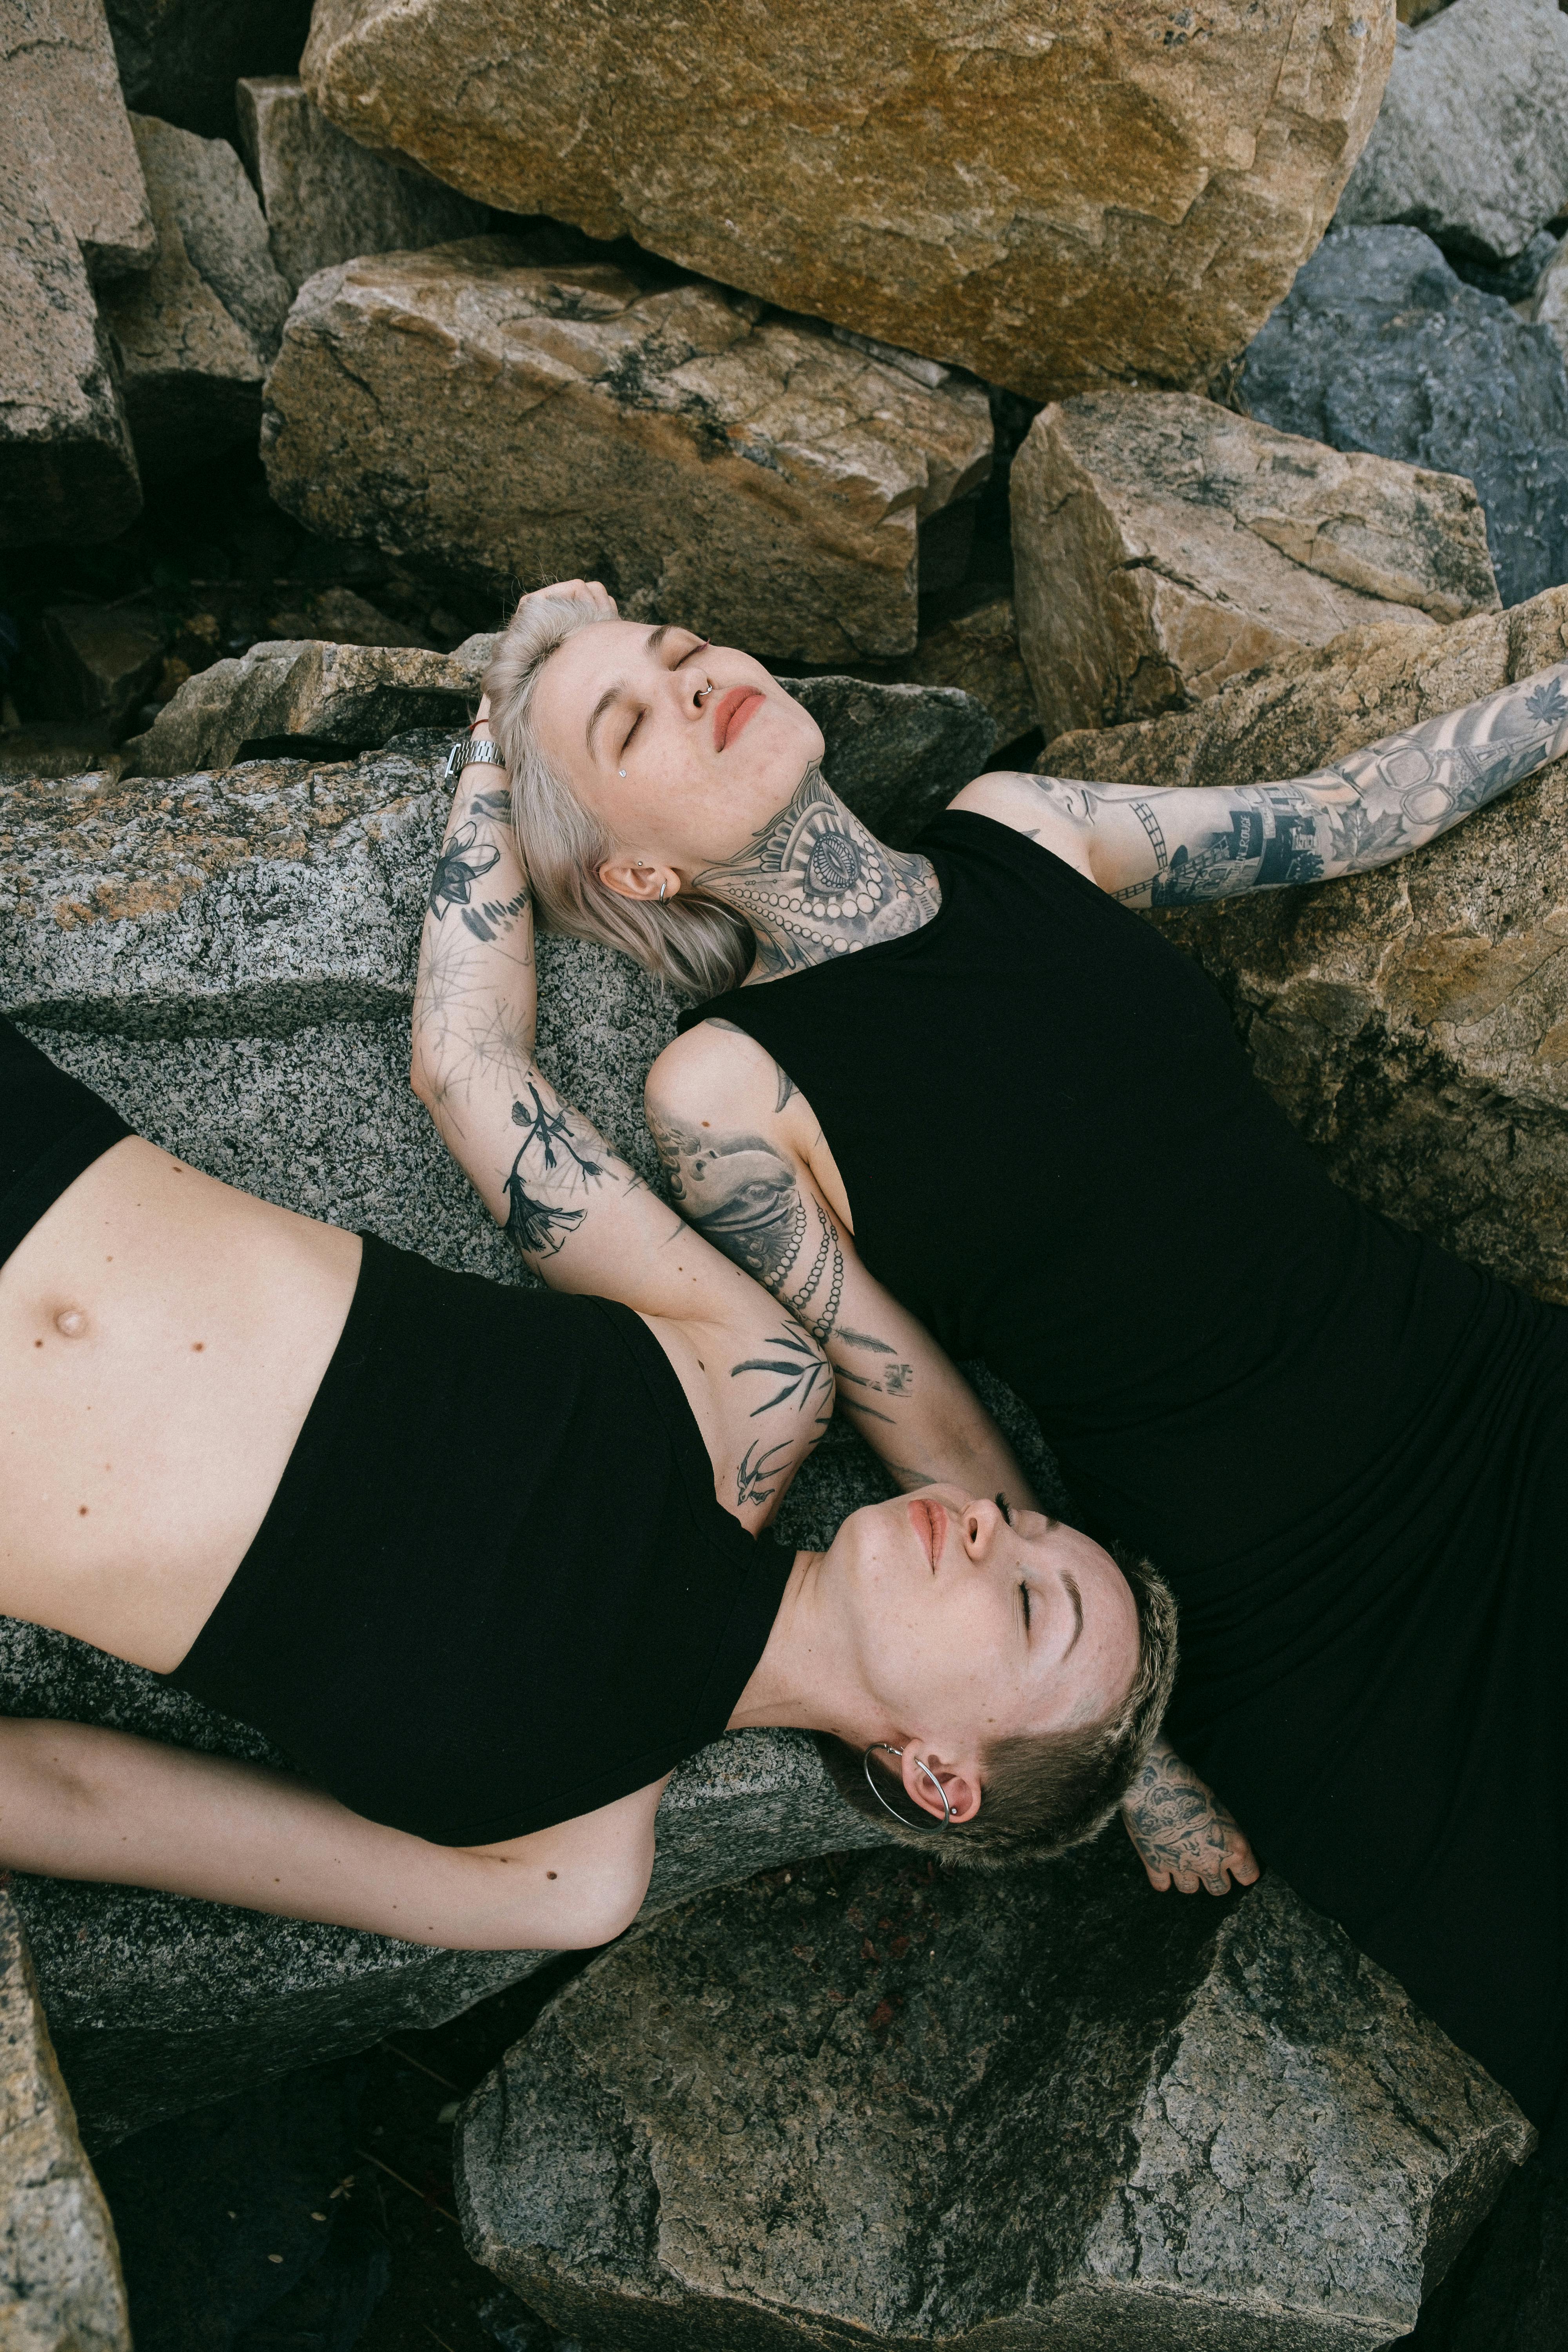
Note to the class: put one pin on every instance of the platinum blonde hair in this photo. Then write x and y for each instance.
(696, 946)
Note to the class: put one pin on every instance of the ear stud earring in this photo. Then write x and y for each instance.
(620, 772)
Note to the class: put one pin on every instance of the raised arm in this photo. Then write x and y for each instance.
(1182, 845)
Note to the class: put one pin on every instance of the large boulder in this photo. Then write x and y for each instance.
(1165, 544)
(1413, 1020)
(1471, 142)
(180, 59)
(68, 469)
(66, 127)
(754, 478)
(60, 2288)
(978, 651)
(1050, 192)
(863, 2103)
(195, 335)
(1379, 346)
(327, 198)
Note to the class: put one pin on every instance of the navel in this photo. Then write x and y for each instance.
(70, 1322)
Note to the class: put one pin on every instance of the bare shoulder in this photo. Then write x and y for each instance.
(1056, 811)
(714, 1073)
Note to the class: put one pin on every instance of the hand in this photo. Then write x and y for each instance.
(591, 592)
(1185, 1838)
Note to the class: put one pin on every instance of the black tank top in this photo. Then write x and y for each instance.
(1338, 1443)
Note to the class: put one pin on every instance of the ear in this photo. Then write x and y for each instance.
(960, 1786)
(628, 878)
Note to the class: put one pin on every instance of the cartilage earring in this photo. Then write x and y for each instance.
(662, 888)
(620, 772)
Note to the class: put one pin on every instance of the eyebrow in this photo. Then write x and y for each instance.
(1076, 1596)
(612, 694)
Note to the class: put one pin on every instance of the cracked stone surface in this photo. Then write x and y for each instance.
(1052, 194)
(194, 336)
(754, 479)
(1165, 544)
(68, 469)
(60, 2288)
(1379, 346)
(327, 198)
(870, 2103)
(1472, 140)
(67, 130)
(1412, 1022)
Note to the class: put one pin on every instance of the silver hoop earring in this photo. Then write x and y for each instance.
(887, 1746)
(662, 888)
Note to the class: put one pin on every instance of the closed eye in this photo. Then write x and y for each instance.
(631, 730)
(1023, 1589)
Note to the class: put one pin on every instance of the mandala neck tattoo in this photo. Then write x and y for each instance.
(814, 884)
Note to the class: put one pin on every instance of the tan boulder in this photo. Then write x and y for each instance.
(1414, 1021)
(60, 2288)
(979, 652)
(68, 469)
(326, 197)
(1052, 192)
(1165, 544)
(66, 124)
(194, 336)
(756, 479)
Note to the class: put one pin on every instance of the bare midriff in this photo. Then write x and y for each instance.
(162, 1338)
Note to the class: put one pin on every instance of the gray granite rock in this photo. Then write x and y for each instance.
(60, 2288)
(327, 198)
(898, 754)
(68, 469)
(66, 128)
(1379, 346)
(181, 59)
(195, 335)
(865, 2102)
(1472, 140)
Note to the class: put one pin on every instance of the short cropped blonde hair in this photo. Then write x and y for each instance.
(697, 946)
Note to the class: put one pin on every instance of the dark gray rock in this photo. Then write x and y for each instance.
(867, 2103)
(1379, 346)
(1508, 2290)
(103, 659)
(1472, 140)
(181, 59)
(897, 753)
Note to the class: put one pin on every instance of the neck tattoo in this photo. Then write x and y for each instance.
(814, 884)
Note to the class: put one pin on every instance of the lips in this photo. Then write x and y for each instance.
(731, 711)
(930, 1523)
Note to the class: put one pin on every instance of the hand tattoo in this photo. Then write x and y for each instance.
(814, 884)
(1179, 1828)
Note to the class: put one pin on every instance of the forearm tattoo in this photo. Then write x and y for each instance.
(814, 883)
(1366, 810)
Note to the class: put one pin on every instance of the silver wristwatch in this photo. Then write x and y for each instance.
(465, 753)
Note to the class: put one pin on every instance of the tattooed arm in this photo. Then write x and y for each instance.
(738, 1140)
(760, 1387)
(1192, 842)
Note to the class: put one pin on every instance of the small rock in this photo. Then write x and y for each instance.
(67, 132)
(104, 659)
(1471, 144)
(1165, 544)
(194, 336)
(1379, 346)
(757, 481)
(68, 469)
(180, 59)
(883, 2105)
(60, 2288)
(327, 198)
(979, 653)
(1053, 195)
(1414, 1021)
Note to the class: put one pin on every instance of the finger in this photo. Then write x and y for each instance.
(1159, 1880)
(1246, 1872)
(1216, 1883)
(1186, 1881)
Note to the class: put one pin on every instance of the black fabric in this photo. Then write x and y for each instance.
(52, 1128)
(1345, 1449)
(495, 1588)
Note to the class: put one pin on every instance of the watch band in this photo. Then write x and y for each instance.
(465, 753)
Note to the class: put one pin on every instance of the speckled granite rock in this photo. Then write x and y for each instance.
(1165, 544)
(1472, 140)
(898, 754)
(1413, 1021)
(1052, 192)
(60, 2288)
(756, 479)
(195, 335)
(326, 197)
(868, 2104)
